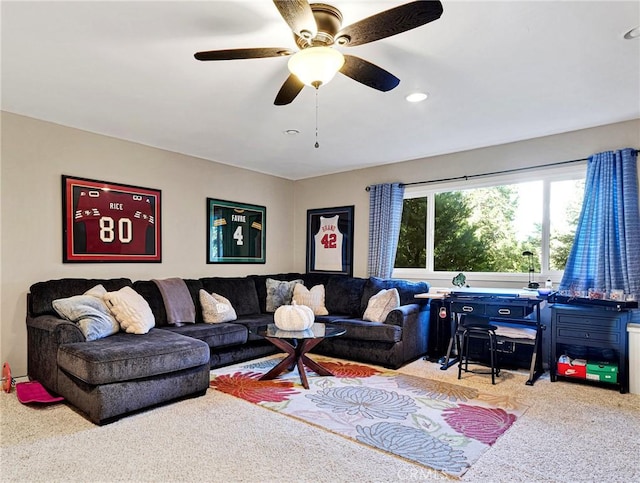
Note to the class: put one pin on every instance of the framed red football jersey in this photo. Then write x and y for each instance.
(108, 222)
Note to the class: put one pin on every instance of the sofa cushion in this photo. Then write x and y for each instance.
(151, 293)
(313, 279)
(241, 292)
(361, 330)
(131, 310)
(252, 322)
(407, 290)
(42, 294)
(216, 336)
(123, 357)
(89, 312)
(216, 308)
(330, 318)
(343, 295)
(279, 293)
(381, 304)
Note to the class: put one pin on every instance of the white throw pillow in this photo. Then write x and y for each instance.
(312, 298)
(131, 310)
(89, 312)
(216, 308)
(381, 304)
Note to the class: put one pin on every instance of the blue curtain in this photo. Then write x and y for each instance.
(606, 249)
(385, 215)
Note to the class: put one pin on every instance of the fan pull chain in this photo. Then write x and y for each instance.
(317, 144)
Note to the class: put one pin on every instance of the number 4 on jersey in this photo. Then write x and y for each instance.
(238, 237)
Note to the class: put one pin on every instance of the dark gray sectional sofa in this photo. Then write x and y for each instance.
(116, 375)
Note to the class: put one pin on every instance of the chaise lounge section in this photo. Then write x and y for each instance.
(115, 375)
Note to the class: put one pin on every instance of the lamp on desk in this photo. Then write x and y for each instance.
(532, 284)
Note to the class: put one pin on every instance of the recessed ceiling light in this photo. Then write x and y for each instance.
(291, 132)
(634, 33)
(417, 97)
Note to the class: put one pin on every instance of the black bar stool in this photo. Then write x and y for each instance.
(480, 330)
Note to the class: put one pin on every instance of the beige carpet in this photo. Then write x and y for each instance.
(570, 433)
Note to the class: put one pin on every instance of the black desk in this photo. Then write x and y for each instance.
(514, 307)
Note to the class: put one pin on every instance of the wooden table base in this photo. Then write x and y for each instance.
(297, 356)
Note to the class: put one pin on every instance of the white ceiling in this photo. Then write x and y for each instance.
(495, 71)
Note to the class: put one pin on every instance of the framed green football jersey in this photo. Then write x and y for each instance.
(236, 232)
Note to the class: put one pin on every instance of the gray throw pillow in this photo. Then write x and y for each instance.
(279, 293)
(90, 313)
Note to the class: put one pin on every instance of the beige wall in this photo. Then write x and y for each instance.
(36, 153)
(349, 188)
(34, 156)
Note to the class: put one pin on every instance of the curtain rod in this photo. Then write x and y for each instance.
(492, 173)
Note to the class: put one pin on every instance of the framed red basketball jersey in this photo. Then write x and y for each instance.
(108, 222)
(330, 240)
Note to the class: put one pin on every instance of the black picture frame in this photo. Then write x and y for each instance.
(236, 232)
(330, 240)
(110, 222)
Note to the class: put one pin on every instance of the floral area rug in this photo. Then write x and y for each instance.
(443, 426)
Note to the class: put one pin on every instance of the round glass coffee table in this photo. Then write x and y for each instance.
(297, 343)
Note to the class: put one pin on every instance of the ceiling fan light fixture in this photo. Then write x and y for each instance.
(316, 66)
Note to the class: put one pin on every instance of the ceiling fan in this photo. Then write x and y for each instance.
(317, 27)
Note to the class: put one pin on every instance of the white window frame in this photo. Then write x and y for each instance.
(547, 175)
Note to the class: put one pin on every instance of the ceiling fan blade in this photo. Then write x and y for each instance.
(232, 54)
(390, 22)
(299, 17)
(368, 74)
(289, 90)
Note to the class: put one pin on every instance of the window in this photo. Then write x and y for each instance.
(484, 225)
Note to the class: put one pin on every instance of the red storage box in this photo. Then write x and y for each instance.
(575, 368)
